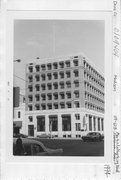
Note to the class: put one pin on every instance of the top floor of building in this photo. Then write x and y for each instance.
(41, 66)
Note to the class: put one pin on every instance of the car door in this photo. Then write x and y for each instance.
(38, 150)
(27, 149)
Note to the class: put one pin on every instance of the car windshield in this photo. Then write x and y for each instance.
(93, 134)
(90, 134)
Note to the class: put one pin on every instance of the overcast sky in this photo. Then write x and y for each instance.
(48, 38)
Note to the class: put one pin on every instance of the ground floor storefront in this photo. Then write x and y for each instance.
(63, 124)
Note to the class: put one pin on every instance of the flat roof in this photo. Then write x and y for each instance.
(64, 58)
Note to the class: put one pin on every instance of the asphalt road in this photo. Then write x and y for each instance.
(75, 147)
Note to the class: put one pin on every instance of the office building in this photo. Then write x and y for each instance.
(64, 97)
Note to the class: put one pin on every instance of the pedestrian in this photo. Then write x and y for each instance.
(19, 147)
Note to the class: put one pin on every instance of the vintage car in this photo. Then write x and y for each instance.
(35, 148)
(45, 136)
(93, 136)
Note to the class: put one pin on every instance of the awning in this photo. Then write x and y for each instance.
(17, 124)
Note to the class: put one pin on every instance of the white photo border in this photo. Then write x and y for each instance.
(63, 15)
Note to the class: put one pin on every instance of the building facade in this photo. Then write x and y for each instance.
(19, 113)
(18, 120)
(64, 97)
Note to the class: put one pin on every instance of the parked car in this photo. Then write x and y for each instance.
(20, 135)
(45, 136)
(93, 136)
(36, 148)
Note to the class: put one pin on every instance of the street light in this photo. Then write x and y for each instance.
(17, 60)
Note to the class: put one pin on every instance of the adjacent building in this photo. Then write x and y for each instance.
(64, 97)
(18, 111)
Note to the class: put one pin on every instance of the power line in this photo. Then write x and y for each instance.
(20, 78)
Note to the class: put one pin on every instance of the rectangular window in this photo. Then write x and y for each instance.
(37, 97)
(98, 124)
(37, 78)
(68, 104)
(62, 95)
(62, 85)
(66, 122)
(30, 69)
(77, 105)
(78, 126)
(55, 75)
(49, 96)
(43, 77)
(76, 63)
(40, 123)
(43, 67)
(30, 88)
(19, 114)
(30, 97)
(53, 123)
(37, 67)
(30, 78)
(68, 83)
(30, 107)
(90, 123)
(62, 105)
(49, 86)
(76, 73)
(56, 96)
(37, 87)
(49, 66)
(43, 106)
(102, 124)
(67, 63)
(49, 106)
(55, 65)
(76, 83)
(30, 118)
(61, 64)
(49, 76)
(77, 116)
(68, 95)
(61, 75)
(55, 106)
(43, 97)
(68, 74)
(43, 87)
(76, 94)
(55, 85)
(37, 107)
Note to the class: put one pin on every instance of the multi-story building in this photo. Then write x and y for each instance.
(64, 97)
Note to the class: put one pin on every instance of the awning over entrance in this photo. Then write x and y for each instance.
(17, 124)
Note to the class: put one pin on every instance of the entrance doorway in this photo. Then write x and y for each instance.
(30, 130)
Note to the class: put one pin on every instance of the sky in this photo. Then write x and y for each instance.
(51, 38)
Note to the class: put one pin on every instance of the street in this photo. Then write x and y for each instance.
(73, 147)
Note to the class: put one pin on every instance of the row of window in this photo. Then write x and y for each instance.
(48, 106)
(55, 85)
(93, 98)
(89, 87)
(94, 124)
(93, 80)
(53, 66)
(55, 96)
(55, 75)
(77, 117)
(92, 71)
(91, 106)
